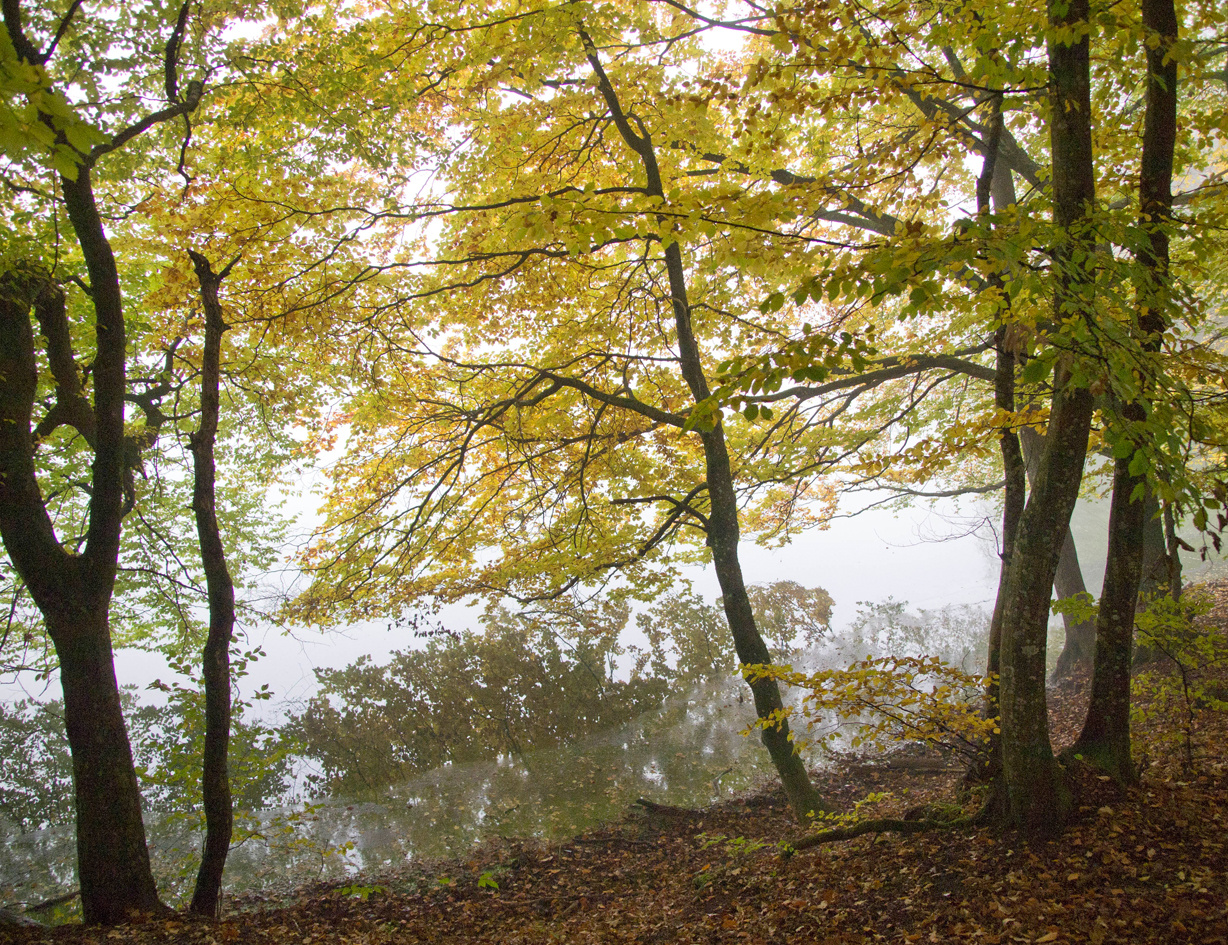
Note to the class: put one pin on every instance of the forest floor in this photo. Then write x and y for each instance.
(1144, 865)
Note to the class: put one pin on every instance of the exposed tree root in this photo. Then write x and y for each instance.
(898, 825)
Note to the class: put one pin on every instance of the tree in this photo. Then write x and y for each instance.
(530, 397)
(1083, 345)
(71, 578)
(1105, 737)
(519, 409)
(215, 786)
(73, 591)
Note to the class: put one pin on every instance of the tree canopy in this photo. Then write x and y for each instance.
(570, 296)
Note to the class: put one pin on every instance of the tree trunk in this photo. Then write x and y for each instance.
(1013, 467)
(73, 592)
(723, 529)
(215, 781)
(1067, 581)
(112, 859)
(1080, 642)
(1155, 578)
(1174, 554)
(1105, 738)
(1036, 798)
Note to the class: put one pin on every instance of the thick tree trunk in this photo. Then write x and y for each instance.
(1105, 738)
(215, 782)
(1036, 798)
(73, 592)
(747, 640)
(1067, 581)
(112, 859)
(723, 530)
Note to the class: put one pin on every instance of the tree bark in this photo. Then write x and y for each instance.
(1105, 739)
(73, 592)
(723, 528)
(112, 857)
(1036, 798)
(1067, 581)
(1013, 467)
(215, 781)
(1174, 554)
(1155, 576)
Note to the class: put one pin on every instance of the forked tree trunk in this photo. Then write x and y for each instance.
(1105, 738)
(723, 530)
(747, 640)
(73, 592)
(1036, 798)
(72, 586)
(215, 781)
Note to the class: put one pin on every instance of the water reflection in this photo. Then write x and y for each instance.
(689, 753)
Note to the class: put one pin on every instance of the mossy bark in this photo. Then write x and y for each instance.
(1105, 738)
(1036, 798)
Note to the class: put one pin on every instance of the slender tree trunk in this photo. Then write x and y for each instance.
(1014, 471)
(1155, 578)
(1036, 798)
(1080, 634)
(215, 782)
(1174, 554)
(723, 529)
(1105, 738)
(72, 587)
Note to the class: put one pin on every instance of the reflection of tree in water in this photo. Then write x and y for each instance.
(688, 752)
